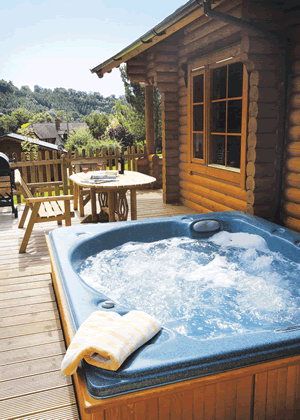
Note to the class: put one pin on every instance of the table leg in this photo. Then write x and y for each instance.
(81, 205)
(111, 206)
(133, 210)
(75, 190)
(93, 205)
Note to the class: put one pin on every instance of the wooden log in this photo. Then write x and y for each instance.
(165, 87)
(208, 28)
(292, 194)
(194, 206)
(295, 100)
(294, 133)
(259, 184)
(183, 101)
(264, 210)
(205, 202)
(197, 23)
(261, 140)
(216, 196)
(169, 116)
(258, 198)
(294, 117)
(296, 67)
(261, 155)
(211, 184)
(261, 125)
(291, 223)
(293, 149)
(170, 125)
(161, 57)
(291, 209)
(223, 32)
(292, 179)
(166, 77)
(293, 164)
(264, 79)
(184, 140)
(296, 84)
(137, 78)
(261, 62)
(260, 170)
(149, 119)
(258, 45)
(183, 110)
(132, 70)
(264, 95)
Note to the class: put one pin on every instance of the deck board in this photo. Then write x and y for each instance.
(31, 339)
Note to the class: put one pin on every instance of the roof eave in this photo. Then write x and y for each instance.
(150, 38)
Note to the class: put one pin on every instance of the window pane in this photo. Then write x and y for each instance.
(235, 80)
(198, 88)
(198, 145)
(218, 117)
(234, 151)
(234, 124)
(219, 83)
(218, 149)
(198, 117)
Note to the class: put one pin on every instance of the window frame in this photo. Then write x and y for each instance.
(203, 166)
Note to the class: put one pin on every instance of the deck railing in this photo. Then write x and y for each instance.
(51, 174)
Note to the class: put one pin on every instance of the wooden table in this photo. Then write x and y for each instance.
(111, 194)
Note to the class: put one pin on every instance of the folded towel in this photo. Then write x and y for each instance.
(106, 339)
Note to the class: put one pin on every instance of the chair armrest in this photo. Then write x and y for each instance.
(51, 198)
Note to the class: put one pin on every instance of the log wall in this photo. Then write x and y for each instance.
(164, 65)
(290, 206)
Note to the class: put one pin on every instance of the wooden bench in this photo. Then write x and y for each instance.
(43, 209)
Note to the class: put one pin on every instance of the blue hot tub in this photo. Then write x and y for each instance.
(169, 357)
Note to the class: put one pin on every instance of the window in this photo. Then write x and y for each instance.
(218, 112)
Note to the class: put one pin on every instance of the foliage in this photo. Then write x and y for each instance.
(121, 135)
(29, 147)
(97, 124)
(79, 139)
(11, 123)
(41, 117)
(135, 97)
(82, 138)
(77, 103)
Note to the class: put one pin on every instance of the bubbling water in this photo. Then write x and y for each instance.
(229, 284)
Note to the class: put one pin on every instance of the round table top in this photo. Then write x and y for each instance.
(128, 180)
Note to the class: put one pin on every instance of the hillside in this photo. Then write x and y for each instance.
(78, 103)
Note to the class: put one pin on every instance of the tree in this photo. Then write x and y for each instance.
(97, 124)
(41, 117)
(135, 97)
(79, 139)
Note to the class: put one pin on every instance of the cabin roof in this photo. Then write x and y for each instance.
(162, 30)
(177, 20)
(41, 143)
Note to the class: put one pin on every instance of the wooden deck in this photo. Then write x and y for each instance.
(31, 341)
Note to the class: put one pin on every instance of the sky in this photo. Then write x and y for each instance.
(55, 43)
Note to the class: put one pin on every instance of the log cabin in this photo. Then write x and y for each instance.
(229, 76)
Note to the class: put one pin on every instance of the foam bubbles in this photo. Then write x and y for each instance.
(228, 284)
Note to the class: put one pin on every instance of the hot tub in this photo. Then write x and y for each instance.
(175, 373)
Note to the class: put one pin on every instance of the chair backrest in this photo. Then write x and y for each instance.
(22, 184)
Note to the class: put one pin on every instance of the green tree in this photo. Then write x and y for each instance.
(135, 97)
(80, 138)
(41, 117)
(97, 124)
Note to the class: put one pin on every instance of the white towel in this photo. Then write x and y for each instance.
(106, 339)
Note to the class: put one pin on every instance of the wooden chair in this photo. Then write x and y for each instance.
(43, 209)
